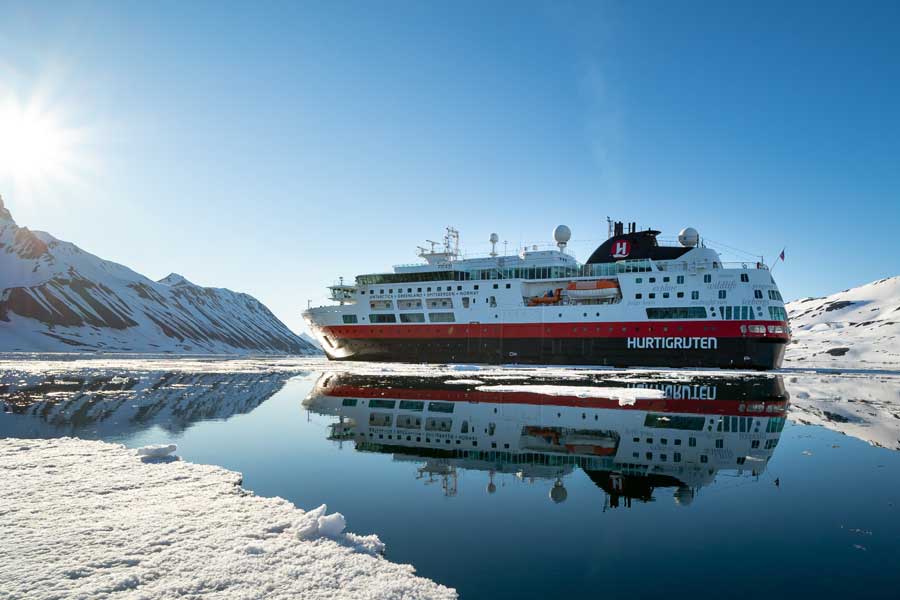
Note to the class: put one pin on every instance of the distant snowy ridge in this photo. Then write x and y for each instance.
(55, 297)
(93, 520)
(856, 328)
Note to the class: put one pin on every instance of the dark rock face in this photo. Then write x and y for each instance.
(838, 305)
(838, 351)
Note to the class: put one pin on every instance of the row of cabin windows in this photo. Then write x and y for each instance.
(691, 425)
(448, 288)
(695, 295)
(679, 279)
(773, 295)
(676, 457)
(439, 288)
(476, 274)
(405, 318)
(414, 405)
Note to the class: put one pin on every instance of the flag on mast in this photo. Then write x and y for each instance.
(781, 256)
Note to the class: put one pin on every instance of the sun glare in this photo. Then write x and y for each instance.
(36, 148)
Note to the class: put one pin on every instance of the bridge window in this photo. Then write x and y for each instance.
(349, 319)
(777, 313)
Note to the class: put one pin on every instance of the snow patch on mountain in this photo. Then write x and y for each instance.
(858, 328)
(56, 297)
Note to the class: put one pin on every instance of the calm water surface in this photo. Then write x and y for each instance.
(631, 484)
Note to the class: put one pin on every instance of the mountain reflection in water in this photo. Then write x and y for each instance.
(101, 405)
(631, 435)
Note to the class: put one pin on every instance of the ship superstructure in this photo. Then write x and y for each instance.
(635, 302)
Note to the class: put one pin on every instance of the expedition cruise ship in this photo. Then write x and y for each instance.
(635, 302)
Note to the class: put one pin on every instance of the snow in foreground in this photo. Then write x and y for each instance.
(91, 519)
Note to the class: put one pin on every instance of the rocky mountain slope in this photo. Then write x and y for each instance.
(858, 328)
(54, 296)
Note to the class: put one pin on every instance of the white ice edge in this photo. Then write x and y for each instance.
(89, 519)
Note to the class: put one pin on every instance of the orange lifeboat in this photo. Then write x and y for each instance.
(553, 298)
(597, 288)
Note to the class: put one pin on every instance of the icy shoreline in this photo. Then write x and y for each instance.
(91, 519)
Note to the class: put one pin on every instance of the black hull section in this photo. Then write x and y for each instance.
(729, 353)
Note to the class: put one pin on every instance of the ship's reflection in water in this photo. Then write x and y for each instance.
(637, 439)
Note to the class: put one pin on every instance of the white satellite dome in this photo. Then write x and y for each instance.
(495, 238)
(562, 234)
(689, 237)
(558, 492)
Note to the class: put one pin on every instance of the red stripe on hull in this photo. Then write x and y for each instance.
(668, 405)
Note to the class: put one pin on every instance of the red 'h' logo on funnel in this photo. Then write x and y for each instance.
(621, 249)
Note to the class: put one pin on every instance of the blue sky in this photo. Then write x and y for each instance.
(271, 147)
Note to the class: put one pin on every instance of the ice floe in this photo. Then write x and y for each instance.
(86, 519)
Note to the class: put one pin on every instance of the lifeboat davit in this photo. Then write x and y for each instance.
(597, 288)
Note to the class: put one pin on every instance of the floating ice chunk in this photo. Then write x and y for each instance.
(316, 523)
(465, 368)
(332, 525)
(464, 381)
(158, 451)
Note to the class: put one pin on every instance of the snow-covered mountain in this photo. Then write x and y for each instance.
(54, 296)
(854, 329)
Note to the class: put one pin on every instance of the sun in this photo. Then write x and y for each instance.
(36, 147)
